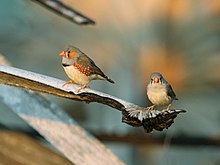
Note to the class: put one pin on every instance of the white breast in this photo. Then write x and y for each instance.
(76, 76)
(157, 94)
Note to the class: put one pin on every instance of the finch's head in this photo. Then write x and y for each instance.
(70, 52)
(157, 78)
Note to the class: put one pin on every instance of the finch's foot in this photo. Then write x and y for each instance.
(151, 107)
(68, 82)
(82, 87)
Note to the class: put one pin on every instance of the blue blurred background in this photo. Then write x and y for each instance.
(180, 39)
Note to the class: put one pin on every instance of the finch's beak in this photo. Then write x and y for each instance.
(62, 53)
(156, 80)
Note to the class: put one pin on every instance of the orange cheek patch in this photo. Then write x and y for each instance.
(72, 55)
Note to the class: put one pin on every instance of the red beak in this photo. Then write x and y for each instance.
(156, 80)
(63, 53)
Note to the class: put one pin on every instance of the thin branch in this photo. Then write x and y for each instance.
(131, 113)
(65, 11)
(177, 140)
(139, 139)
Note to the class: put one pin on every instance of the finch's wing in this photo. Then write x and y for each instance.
(88, 63)
(170, 92)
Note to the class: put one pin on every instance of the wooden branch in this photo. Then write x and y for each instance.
(131, 113)
(65, 11)
(57, 127)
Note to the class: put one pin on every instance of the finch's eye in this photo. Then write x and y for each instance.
(67, 53)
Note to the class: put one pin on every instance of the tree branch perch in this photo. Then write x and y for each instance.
(131, 113)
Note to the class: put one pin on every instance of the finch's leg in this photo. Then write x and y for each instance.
(68, 82)
(168, 107)
(82, 87)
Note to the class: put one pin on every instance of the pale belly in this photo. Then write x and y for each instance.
(76, 76)
(158, 97)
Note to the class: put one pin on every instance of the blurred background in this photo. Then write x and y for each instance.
(131, 39)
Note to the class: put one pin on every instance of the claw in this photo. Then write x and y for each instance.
(151, 107)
